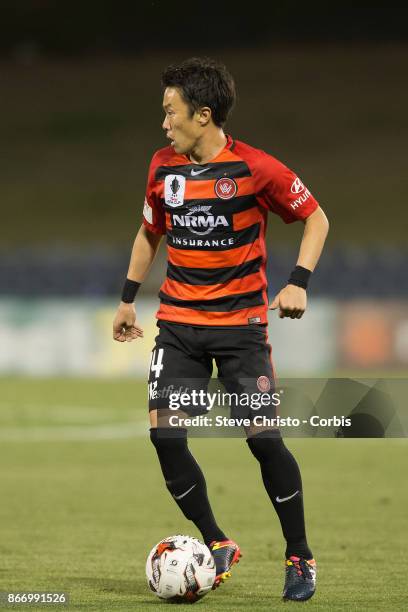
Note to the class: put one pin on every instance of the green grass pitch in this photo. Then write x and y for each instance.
(82, 501)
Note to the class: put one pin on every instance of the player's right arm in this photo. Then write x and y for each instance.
(145, 247)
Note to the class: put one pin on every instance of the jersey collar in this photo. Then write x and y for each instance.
(230, 142)
(228, 145)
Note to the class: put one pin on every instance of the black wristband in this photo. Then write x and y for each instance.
(299, 277)
(130, 288)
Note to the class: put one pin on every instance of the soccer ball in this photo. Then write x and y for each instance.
(180, 569)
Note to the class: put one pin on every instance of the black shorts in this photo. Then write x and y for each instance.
(182, 363)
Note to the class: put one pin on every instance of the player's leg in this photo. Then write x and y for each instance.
(186, 483)
(250, 361)
(282, 480)
(176, 362)
(283, 483)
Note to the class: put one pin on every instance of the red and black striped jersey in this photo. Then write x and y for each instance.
(214, 216)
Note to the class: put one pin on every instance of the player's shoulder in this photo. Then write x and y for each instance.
(259, 161)
(163, 156)
(254, 154)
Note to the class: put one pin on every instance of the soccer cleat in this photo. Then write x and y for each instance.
(225, 554)
(300, 579)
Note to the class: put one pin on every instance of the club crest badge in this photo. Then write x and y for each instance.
(174, 188)
(264, 384)
(226, 188)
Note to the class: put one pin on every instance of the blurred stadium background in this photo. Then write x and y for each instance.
(323, 88)
(81, 114)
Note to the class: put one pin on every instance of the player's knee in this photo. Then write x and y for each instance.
(164, 439)
(265, 448)
(153, 418)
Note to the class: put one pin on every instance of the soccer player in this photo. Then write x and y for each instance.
(211, 195)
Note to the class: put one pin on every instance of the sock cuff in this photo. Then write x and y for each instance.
(167, 431)
(173, 435)
(271, 434)
(265, 448)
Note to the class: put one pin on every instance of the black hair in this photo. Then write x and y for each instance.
(203, 81)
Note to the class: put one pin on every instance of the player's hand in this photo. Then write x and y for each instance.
(125, 327)
(291, 301)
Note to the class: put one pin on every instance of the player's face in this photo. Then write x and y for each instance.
(181, 128)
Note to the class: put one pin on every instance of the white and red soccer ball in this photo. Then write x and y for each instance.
(180, 568)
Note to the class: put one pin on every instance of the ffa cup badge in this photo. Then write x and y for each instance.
(174, 187)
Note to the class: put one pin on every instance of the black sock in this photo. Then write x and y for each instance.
(282, 480)
(185, 480)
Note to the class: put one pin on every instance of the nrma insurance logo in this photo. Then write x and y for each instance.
(199, 220)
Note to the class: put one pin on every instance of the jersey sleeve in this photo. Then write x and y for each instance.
(153, 213)
(281, 191)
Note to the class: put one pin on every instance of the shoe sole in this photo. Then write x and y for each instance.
(299, 599)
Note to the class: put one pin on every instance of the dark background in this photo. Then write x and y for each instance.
(320, 86)
(126, 26)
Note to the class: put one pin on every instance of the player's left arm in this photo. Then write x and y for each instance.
(292, 299)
